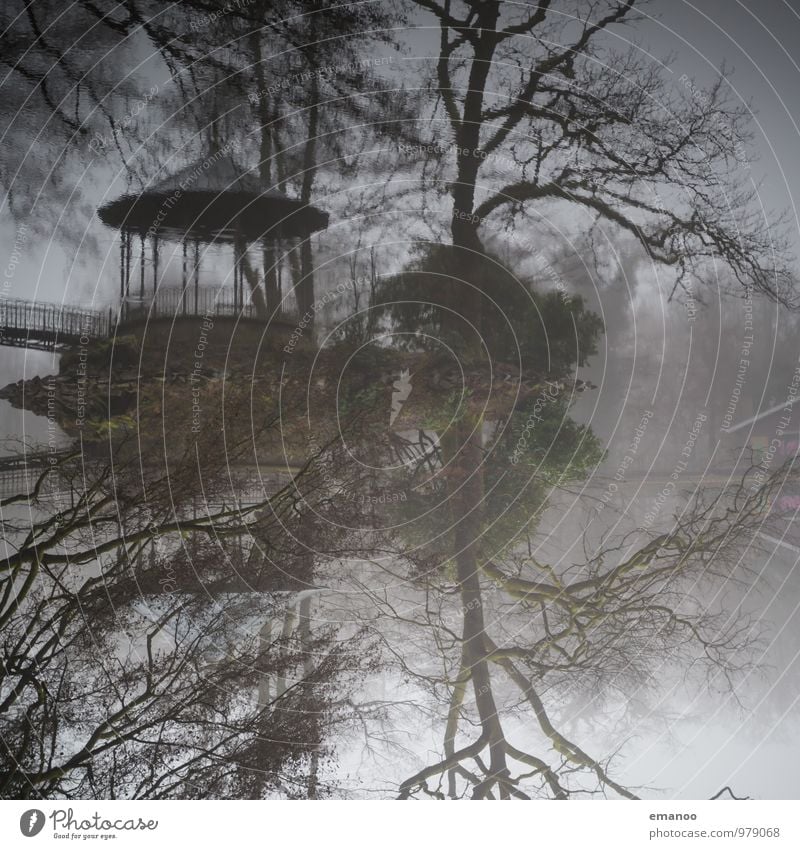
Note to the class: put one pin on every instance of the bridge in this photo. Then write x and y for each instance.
(53, 327)
(20, 472)
(47, 327)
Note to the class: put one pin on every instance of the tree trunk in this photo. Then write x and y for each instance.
(466, 482)
(265, 118)
(304, 286)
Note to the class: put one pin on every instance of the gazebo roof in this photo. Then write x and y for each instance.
(213, 200)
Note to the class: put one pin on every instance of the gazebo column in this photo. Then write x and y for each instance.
(196, 275)
(155, 275)
(141, 267)
(240, 305)
(235, 275)
(121, 266)
(238, 277)
(125, 265)
(128, 251)
(183, 280)
(264, 645)
(279, 267)
(272, 283)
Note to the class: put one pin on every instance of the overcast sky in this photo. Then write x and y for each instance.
(757, 40)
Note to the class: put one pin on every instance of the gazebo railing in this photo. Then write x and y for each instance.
(38, 324)
(175, 301)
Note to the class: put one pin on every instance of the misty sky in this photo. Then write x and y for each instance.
(753, 40)
(757, 40)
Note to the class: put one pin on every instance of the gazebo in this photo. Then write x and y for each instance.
(211, 201)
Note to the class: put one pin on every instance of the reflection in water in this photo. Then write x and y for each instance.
(402, 457)
(295, 553)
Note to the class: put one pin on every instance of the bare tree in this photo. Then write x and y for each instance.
(541, 86)
(555, 630)
(132, 642)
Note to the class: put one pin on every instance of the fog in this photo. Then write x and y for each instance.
(310, 496)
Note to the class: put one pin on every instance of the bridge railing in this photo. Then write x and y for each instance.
(28, 322)
(244, 485)
(39, 318)
(19, 473)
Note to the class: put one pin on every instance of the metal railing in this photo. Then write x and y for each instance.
(19, 473)
(244, 487)
(25, 322)
(38, 324)
(174, 301)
